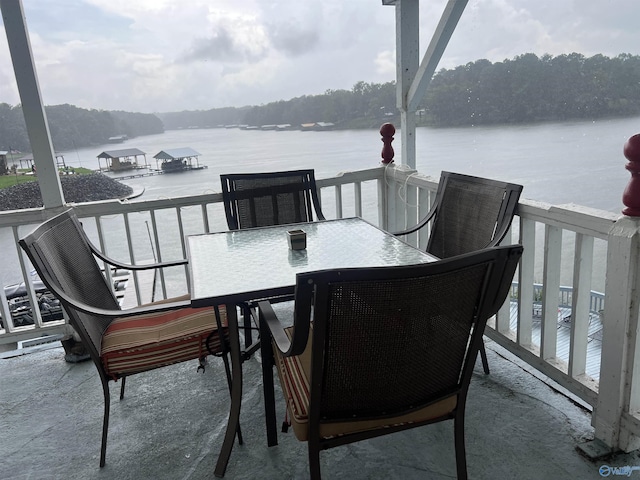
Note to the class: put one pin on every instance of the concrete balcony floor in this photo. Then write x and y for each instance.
(171, 424)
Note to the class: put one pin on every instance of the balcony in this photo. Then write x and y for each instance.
(544, 396)
(527, 349)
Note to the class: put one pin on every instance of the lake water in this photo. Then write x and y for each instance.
(570, 162)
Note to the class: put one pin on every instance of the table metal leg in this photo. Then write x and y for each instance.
(236, 393)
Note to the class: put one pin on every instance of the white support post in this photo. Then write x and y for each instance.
(620, 337)
(407, 63)
(32, 107)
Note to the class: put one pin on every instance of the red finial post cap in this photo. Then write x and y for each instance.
(387, 130)
(631, 195)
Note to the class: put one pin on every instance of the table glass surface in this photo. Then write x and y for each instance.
(240, 264)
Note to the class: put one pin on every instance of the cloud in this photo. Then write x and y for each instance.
(172, 55)
(292, 39)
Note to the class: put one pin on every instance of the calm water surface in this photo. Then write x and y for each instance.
(572, 162)
(558, 163)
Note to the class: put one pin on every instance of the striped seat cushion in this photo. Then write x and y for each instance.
(143, 342)
(294, 373)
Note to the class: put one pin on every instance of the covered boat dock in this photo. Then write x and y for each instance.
(178, 159)
(29, 163)
(125, 159)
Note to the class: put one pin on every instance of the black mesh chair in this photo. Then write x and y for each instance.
(468, 214)
(274, 198)
(379, 350)
(267, 199)
(120, 342)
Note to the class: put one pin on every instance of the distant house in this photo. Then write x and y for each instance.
(125, 159)
(117, 139)
(324, 126)
(317, 126)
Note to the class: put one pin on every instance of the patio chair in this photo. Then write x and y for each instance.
(273, 198)
(468, 214)
(374, 351)
(120, 342)
(267, 199)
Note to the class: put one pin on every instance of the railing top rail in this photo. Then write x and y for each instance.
(577, 218)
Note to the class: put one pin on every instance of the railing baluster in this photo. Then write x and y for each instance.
(357, 194)
(33, 299)
(156, 242)
(580, 299)
(551, 282)
(134, 273)
(425, 198)
(103, 248)
(205, 218)
(338, 200)
(526, 279)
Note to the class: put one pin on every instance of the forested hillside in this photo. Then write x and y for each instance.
(533, 89)
(72, 127)
(524, 89)
(363, 106)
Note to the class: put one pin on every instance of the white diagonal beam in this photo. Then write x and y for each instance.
(32, 107)
(442, 35)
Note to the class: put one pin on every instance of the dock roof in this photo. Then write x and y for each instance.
(126, 152)
(176, 153)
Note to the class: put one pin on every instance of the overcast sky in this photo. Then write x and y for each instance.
(173, 55)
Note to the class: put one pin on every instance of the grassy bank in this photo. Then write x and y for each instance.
(22, 177)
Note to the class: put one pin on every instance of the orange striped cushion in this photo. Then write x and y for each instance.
(143, 342)
(295, 372)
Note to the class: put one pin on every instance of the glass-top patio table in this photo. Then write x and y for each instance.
(229, 268)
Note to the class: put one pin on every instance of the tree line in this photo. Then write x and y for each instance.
(72, 127)
(530, 89)
(524, 89)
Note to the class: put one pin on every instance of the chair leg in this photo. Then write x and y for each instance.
(225, 360)
(105, 420)
(266, 352)
(461, 458)
(124, 380)
(483, 357)
(246, 317)
(314, 460)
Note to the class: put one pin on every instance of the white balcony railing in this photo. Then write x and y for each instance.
(564, 245)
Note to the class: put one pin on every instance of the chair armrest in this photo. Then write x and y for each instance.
(102, 312)
(287, 347)
(420, 224)
(502, 230)
(127, 266)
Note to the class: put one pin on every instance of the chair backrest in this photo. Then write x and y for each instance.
(61, 254)
(394, 339)
(274, 198)
(472, 213)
